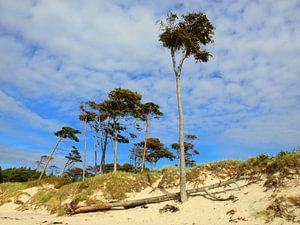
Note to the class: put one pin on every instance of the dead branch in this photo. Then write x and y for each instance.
(72, 209)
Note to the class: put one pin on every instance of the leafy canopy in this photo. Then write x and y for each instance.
(187, 34)
(68, 132)
(155, 150)
(150, 108)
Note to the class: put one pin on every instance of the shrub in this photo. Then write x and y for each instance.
(21, 174)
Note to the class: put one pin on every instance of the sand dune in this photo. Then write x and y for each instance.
(199, 210)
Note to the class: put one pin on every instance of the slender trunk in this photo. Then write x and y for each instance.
(135, 165)
(115, 150)
(96, 156)
(183, 194)
(102, 164)
(84, 151)
(50, 157)
(145, 142)
(63, 172)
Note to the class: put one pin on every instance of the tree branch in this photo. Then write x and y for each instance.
(174, 62)
(183, 57)
(73, 209)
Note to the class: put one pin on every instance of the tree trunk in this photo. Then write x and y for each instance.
(183, 194)
(145, 142)
(63, 172)
(96, 156)
(49, 158)
(84, 151)
(102, 164)
(173, 196)
(115, 150)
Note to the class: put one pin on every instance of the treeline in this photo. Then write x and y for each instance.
(21, 174)
(116, 119)
(24, 174)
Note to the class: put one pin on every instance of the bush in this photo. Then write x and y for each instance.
(21, 174)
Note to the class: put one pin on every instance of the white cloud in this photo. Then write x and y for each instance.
(13, 110)
(58, 53)
(11, 156)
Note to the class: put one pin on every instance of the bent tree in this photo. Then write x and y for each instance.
(185, 37)
(65, 132)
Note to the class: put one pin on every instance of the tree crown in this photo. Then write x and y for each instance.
(187, 34)
(68, 132)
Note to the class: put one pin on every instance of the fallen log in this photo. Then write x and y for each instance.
(72, 209)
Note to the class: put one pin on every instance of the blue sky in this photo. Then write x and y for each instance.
(56, 54)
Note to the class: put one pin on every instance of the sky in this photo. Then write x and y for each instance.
(56, 54)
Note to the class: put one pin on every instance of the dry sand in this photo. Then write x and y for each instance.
(197, 211)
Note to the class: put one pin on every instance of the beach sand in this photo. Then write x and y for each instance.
(199, 210)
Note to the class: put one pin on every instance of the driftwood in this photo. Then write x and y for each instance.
(73, 209)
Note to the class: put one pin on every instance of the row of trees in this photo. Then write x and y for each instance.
(116, 119)
(110, 119)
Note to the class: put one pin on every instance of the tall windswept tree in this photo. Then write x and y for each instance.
(148, 110)
(185, 37)
(122, 104)
(64, 133)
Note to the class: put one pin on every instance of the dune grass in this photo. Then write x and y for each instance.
(54, 192)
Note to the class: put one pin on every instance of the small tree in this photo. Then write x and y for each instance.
(74, 174)
(184, 39)
(72, 158)
(64, 133)
(147, 110)
(189, 151)
(155, 151)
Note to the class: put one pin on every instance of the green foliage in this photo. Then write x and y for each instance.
(68, 132)
(187, 34)
(155, 151)
(170, 177)
(9, 187)
(189, 150)
(57, 182)
(150, 108)
(126, 167)
(72, 158)
(74, 174)
(122, 102)
(21, 174)
(42, 197)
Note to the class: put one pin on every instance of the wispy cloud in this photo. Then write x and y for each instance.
(55, 54)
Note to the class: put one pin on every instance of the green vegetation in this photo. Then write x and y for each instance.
(54, 192)
(21, 174)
